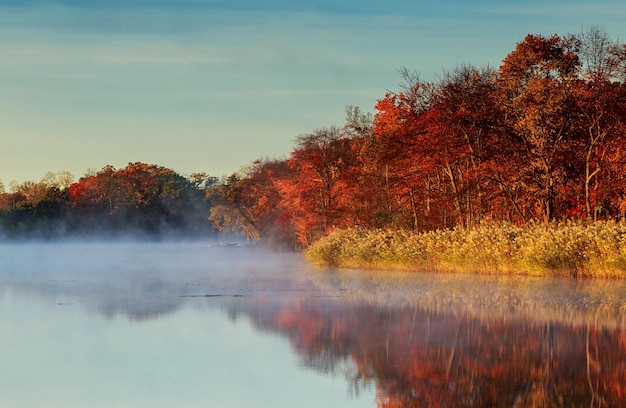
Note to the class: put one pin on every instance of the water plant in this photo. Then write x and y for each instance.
(569, 248)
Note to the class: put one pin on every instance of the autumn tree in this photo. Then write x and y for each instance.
(365, 195)
(403, 167)
(539, 138)
(263, 195)
(32, 192)
(318, 194)
(466, 134)
(35, 209)
(229, 212)
(202, 181)
(602, 123)
(441, 146)
(97, 194)
(61, 179)
(320, 186)
(141, 198)
(536, 80)
(249, 203)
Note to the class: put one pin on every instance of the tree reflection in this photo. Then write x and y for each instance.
(421, 340)
(421, 358)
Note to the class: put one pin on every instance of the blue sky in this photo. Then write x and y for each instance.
(208, 85)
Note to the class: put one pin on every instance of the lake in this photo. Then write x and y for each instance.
(187, 325)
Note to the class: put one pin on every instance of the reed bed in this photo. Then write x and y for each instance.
(567, 248)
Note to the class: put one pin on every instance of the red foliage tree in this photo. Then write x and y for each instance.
(141, 197)
(251, 205)
(540, 138)
(536, 80)
(316, 194)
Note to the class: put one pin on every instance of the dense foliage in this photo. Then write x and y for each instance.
(140, 200)
(540, 138)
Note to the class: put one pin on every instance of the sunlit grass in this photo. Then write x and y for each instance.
(566, 248)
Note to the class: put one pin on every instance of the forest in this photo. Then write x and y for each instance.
(540, 138)
(139, 201)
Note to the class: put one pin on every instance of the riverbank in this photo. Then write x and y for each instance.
(556, 249)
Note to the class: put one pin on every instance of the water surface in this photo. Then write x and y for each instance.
(164, 325)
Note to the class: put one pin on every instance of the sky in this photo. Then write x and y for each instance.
(211, 85)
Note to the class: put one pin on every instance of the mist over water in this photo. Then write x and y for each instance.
(187, 324)
(131, 276)
(151, 324)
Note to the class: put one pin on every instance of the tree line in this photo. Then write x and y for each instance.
(542, 137)
(142, 200)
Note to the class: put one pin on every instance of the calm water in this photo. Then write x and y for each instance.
(159, 325)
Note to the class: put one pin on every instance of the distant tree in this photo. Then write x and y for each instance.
(358, 124)
(262, 197)
(32, 192)
(61, 179)
(229, 211)
(33, 210)
(140, 197)
(202, 180)
(250, 203)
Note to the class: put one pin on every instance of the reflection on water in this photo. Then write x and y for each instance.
(396, 340)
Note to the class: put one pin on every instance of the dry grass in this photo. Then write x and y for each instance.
(565, 248)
